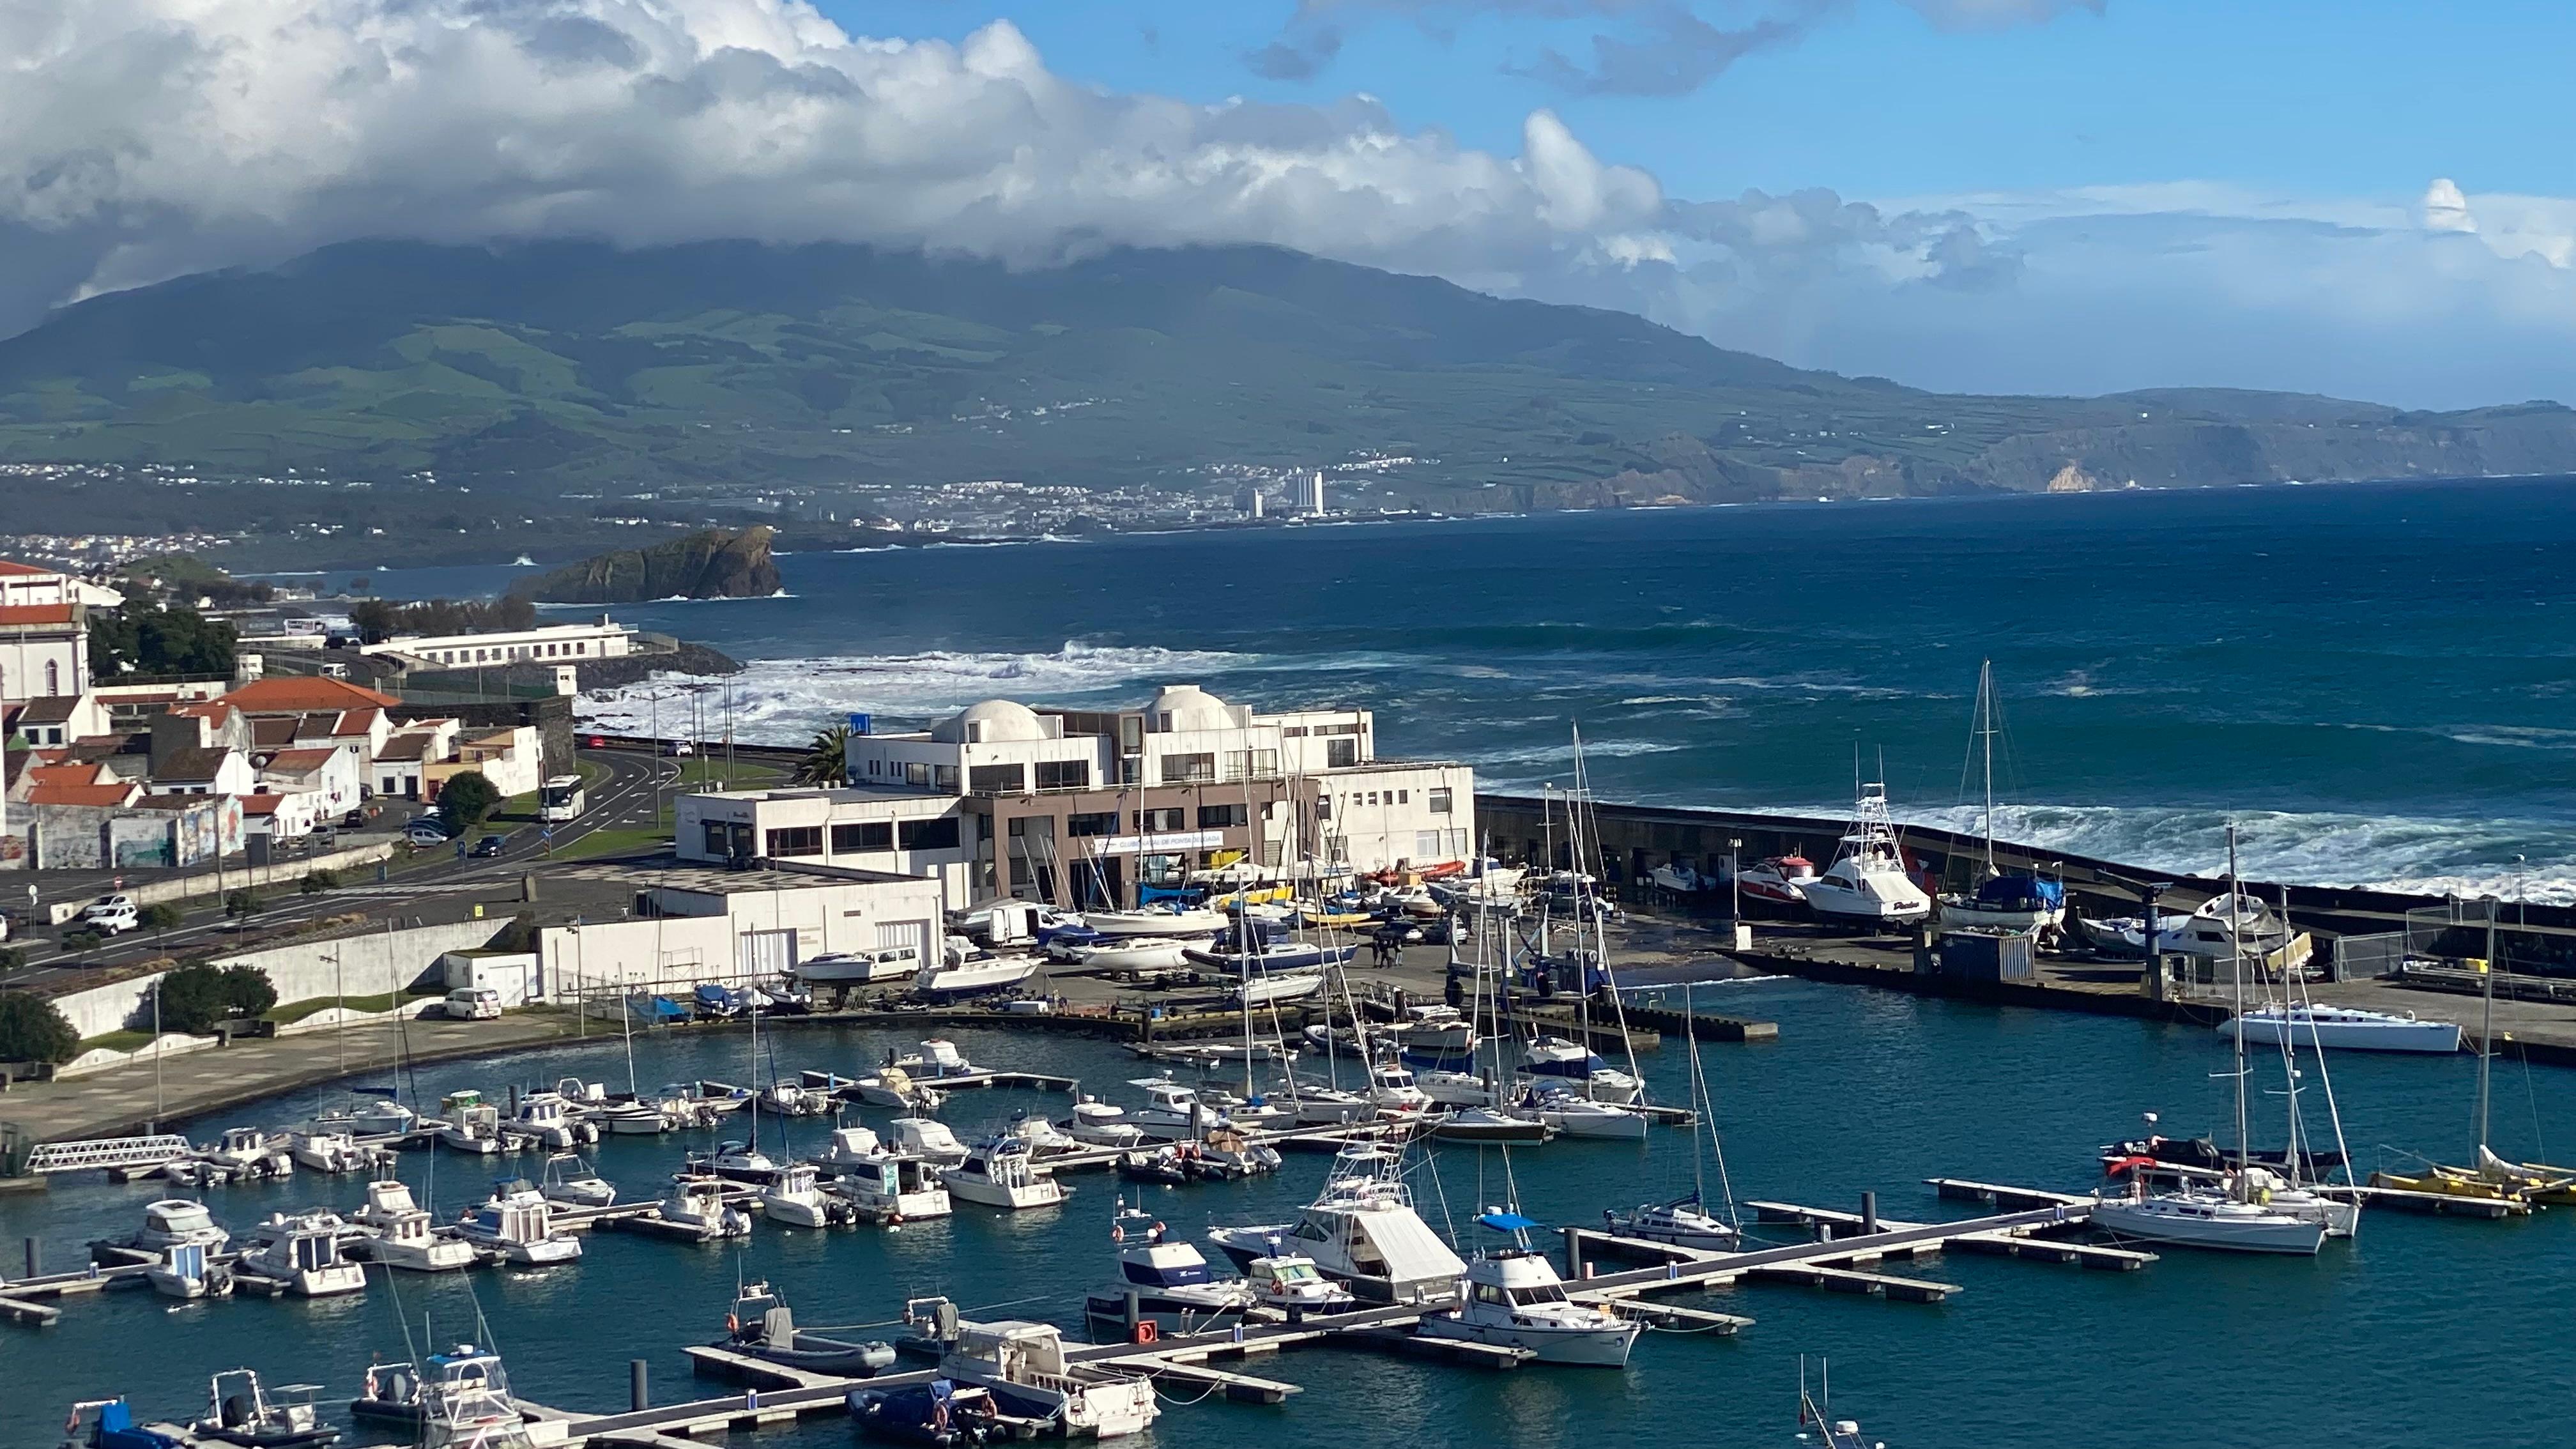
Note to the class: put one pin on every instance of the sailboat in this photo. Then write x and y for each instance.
(1686, 1221)
(2235, 1212)
(2022, 903)
(1592, 1111)
(1490, 1120)
(2488, 1176)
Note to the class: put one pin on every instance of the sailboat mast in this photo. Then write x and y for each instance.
(2236, 948)
(1986, 722)
(2486, 1031)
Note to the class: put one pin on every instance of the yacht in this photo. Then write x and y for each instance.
(761, 1325)
(1683, 1222)
(1294, 1286)
(1437, 1039)
(1779, 880)
(325, 1151)
(517, 1222)
(1271, 958)
(1553, 1062)
(1493, 1124)
(469, 1124)
(2344, 1028)
(1322, 1106)
(1168, 1283)
(2207, 1217)
(176, 1220)
(1454, 1089)
(2214, 931)
(1168, 918)
(998, 1173)
(1392, 1092)
(924, 1138)
(240, 1411)
(637, 1118)
(376, 1114)
(793, 1099)
(571, 1182)
(1023, 1366)
(735, 1162)
(1361, 1229)
(1095, 1123)
(1867, 883)
(894, 1087)
(890, 1187)
(1579, 1116)
(1270, 988)
(1131, 953)
(402, 1236)
(860, 968)
(465, 1403)
(790, 1195)
(965, 969)
(249, 1152)
(545, 1119)
(1514, 1299)
(694, 1206)
(186, 1271)
(2022, 903)
(300, 1254)
(848, 1147)
(1172, 1111)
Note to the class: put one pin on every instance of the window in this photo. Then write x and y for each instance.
(875, 766)
(1438, 801)
(1179, 768)
(1341, 754)
(1323, 807)
(717, 841)
(861, 838)
(997, 779)
(1426, 844)
(53, 676)
(796, 840)
(1403, 797)
(1158, 820)
(940, 834)
(1096, 822)
(917, 773)
(1064, 774)
(1217, 817)
(1372, 798)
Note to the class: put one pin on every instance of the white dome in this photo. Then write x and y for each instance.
(1190, 708)
(1001, 719)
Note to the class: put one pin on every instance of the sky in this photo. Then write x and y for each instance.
(2366, 199)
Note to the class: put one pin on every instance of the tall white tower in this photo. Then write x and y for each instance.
(1256, 501)
(1315, 494)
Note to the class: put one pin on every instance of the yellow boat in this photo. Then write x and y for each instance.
(2440, 1183)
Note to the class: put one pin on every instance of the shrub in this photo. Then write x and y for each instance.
(316, 882)
(465, 799)
(78, 938)
(241, 905)
(248, 991)
(12, 957)
(193, 996)
(32, 1030)
(161, 916)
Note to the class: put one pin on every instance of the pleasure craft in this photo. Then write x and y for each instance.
(1172, 1111)
(1682, 880)
(891, 1187)
(706, 1100)
(1295, 1286)
(1272, 958)
(240, 1411)
(185, 1271)
(1453, 1089)
(176, 1220)
(1322, 1106)
(1579, 1116)
(1100, 1124)
(1131, 953)
(1437, 1039)
(1023, 1366)
(462, 1402)
(639, 1118)
(792, 1099)
(111, 1425)
(546, 1120)
(1867, 884)
(326, 1151)
(1493, 1124)
(1164, 919)
(2344, 1028)
(1779, 880)
(517, 1222)
(1513, 1299)
(882, 966)
(1272, 988)
(790, 1195)
(998, 1173)
(848, 1147)
(1681, 1222)
(894, 1087)
(1168, 1283)
(761, 1325)
(965, 969)
(2214, 931)
(924, 1138)
(2205, 1217)
(571, 1182)
(373, 1113)
(247, 1152)
(735, 1162)
(1553, 1062)
(694, 1206)
(401, 1233)
(469, 1124)
(1392, 1091)
(1361, 1229)
(300, 1254)
(1045, 1139)
(2020, 903)
(1257, 1113)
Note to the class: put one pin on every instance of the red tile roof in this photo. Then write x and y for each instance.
(356, 721)
(263, 804)
(81, 794)
(37, 613)
(16, 569)
(301, 759)
(283, 694)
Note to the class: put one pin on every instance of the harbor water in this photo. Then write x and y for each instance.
(2422, 1328)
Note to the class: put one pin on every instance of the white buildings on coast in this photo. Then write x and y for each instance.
(1086, 808)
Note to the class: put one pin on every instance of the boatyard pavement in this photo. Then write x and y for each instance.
(123, 1100)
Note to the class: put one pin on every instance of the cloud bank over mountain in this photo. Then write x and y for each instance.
(140, 139)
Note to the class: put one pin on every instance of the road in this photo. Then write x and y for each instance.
(624, 799)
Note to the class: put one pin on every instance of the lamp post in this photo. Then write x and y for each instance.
(1735, 880)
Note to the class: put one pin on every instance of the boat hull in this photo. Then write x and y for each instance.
(1602, 1347)
(2264, 1233)
(2439, 1038)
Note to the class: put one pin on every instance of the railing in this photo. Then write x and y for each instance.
(102, 1152)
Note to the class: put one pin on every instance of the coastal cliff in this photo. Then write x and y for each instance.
(712, 563)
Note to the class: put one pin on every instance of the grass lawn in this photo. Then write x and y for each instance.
(295, 1011)
(117, 1041)
(614, 841)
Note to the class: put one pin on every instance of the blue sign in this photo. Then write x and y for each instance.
(859, 724)
(546, 834)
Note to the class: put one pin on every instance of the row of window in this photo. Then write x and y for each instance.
(855, 839)
(500, 654)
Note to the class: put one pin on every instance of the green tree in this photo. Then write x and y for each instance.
(465, 799)
(33, 1030)
(318, 881)
(241, 905)
(144, 638)
(160, 916)
(375, 619)
(193, 997)
(248, 991)
(827, 758)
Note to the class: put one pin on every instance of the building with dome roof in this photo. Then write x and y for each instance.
(1093, 807)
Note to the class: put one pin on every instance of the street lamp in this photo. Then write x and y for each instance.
(1735, 880)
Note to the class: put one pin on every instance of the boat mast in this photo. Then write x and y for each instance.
(2236, 948)
(1986, 722)
(2486, 1030)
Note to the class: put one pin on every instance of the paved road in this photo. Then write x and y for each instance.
(624, 798)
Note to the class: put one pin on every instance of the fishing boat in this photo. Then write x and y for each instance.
(517, 1223)
(1023, 1366)
(187, 1270)
(1513, 1298)
(792, 1195)
(998, 1172)
(1685, 1221)
(2344, 1028)
(401, 1235)
(1362, 1230)
(761, 1325)
(891, 1187)
(694, 1206)
(1162, 919)
(965, 969)
(300, 1254)
(1867, 884)
(240, 1411)
(467, 1123)
(177, 1220)
(568, 1181)
(1778, 880)
(1166, 1283)
(921, 1137)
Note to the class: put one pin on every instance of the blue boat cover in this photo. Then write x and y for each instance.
(2021, 892)
(1509, 1222)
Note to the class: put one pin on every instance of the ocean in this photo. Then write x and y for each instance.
(2375, 683)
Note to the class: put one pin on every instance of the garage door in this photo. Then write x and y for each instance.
(766, 955)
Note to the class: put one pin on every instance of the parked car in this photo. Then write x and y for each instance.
(426, 830)
(489, 846)
(678, 747)
(473, 1003)
(597, 742)
(112, 915)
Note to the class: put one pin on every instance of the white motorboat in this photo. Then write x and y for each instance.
(1322, 1106)
(1132, 953)
(1101, 1124)
(2205, 1217)
(1022, 1365)
(637, 1118)
(891, 1187)
(240, 1411)
(894, 1087)
(735, 1162)
(1361, 1229)
(325, 1151)
(792, 1099)
(1514, 1299)
(1682, 1222)
(300, 1254)
(2217, 930)
(1867, 884)
(1166, 919)
(1045, 1139)
(545, 1119)
(177, 1220)
(1294, 1286)
(1454, 1089)
(186, 1271)
(517, 1222)
(966, 969)
(462, 1402)
(469, 1124)
(882, 966)
(1172, 1111)
(249, 1152)
(694, 1206)
(570, 1182)
(791, 1195)
(1552, 1063)
(708, 1100)
(999, 1172)
(1167, 1283)
(1578, 1116)
(848, 1147)
(374, 1113)
(1779, 880)
(1682, 880)
(2344, 1028)
(924, 1138)
(1392, 1092)
(1493, 1124)
(1272, 988)
(401, 1235)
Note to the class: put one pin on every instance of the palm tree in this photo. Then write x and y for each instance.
(827, 759)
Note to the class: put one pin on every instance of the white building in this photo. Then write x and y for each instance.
(1315, 494)
(551, 643)
(1089, 807)
(698, 925)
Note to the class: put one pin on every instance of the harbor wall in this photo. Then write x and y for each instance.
(360, 965)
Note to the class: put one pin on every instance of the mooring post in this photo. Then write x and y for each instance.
(1573, 1252)
(639, 1397)
(1868, 1213)
(31, 1257)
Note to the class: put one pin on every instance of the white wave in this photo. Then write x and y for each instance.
(1592, 749)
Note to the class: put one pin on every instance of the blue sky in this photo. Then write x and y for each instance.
(2066, 196)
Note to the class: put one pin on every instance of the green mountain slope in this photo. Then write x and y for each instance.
(542, 369)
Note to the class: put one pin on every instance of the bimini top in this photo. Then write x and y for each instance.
(992, 722)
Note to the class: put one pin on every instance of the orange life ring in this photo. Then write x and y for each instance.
(1147, 1331)
(732, 1324)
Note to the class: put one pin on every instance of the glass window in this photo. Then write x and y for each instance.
(1064, 774)
(1341, 754)
(1180, 768)
(1438, 801)
(796, 840)
(862, 837)
(997, 779)
(1160, 820)
(717, 843)
(939, 834)
(1217, 817)
(1095, 822)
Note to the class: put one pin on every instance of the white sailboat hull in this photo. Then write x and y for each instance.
(2351, 1031)
(1586, 1347)
(2243, 1230)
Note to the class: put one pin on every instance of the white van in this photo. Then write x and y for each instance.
(473, 1003)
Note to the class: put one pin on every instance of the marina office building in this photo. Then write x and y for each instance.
(1082, 808)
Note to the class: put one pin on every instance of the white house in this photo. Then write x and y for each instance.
(290, 815)
(509, 758)
(698, 925)
(58, 720)
(326, 774)
(548, 644)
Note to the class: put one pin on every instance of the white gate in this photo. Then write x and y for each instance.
(765, 955)
(915, 934)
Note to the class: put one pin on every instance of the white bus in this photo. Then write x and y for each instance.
(560, 799)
